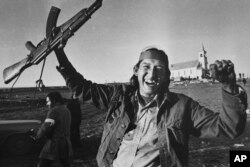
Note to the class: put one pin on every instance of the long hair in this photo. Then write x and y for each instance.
(55, 97)
(134, 79)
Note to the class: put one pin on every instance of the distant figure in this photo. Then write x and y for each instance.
(75, 111)
(244, 81)
(56, 128)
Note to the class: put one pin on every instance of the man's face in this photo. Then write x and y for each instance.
(151, 75)
(48, 102)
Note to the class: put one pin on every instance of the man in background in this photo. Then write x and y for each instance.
(56, 128)
(75, 110)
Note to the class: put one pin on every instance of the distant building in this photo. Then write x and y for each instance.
(196, 69)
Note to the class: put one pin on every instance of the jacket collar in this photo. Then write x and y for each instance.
(167, 97)
(170, 97)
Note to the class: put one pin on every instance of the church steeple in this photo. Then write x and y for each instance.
(203, 58)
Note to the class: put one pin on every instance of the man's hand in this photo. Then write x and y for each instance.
(61, 56)
(63, 42)
(32, 134)
(223, 71)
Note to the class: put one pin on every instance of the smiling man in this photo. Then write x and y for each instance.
(152, 72)
(146, 124)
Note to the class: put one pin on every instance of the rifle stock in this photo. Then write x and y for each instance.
(15, 70)
(53, 39)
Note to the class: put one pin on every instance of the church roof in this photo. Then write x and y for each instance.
(184, 65)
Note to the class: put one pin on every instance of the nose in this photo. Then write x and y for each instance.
(152, 73)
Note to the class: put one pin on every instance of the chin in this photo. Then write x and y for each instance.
(151, 92)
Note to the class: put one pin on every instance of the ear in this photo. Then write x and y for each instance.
(136, 71)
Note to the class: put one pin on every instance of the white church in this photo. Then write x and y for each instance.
(196, 69)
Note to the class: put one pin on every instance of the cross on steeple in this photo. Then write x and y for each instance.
(203, 49)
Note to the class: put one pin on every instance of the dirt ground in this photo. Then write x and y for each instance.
(203, 153)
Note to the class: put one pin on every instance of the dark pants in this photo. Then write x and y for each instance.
(51, 163)
(75, 136)
(44, 163)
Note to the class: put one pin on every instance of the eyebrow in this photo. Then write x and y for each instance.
(158, 65)
(144, 63)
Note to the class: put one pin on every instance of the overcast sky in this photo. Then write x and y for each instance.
(106, 48)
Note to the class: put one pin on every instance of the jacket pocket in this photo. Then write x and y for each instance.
(177, 129)
(111, 119)
(178, 124)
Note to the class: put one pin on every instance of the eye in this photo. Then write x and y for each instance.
(159, 69)
(145, 66)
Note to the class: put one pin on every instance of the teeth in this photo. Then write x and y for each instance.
(152, 82)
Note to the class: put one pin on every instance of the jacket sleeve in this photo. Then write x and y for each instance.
(47, 127)
(98, 94)
(230, 121)
(45, 130)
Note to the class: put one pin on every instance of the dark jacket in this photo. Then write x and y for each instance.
(58, 145)
(178, 117)
(75, 110)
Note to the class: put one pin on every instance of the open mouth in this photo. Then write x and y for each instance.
(151, 83)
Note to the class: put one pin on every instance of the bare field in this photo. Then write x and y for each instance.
(204, 153)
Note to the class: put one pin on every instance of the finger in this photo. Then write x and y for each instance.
(213, 71)
(61, 45)
(228, 66)
(217, 70)
(219, 65)
(213, 66)
(230, 69)
(224, 64)
(230, 63)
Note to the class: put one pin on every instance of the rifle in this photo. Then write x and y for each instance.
(55, 36)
